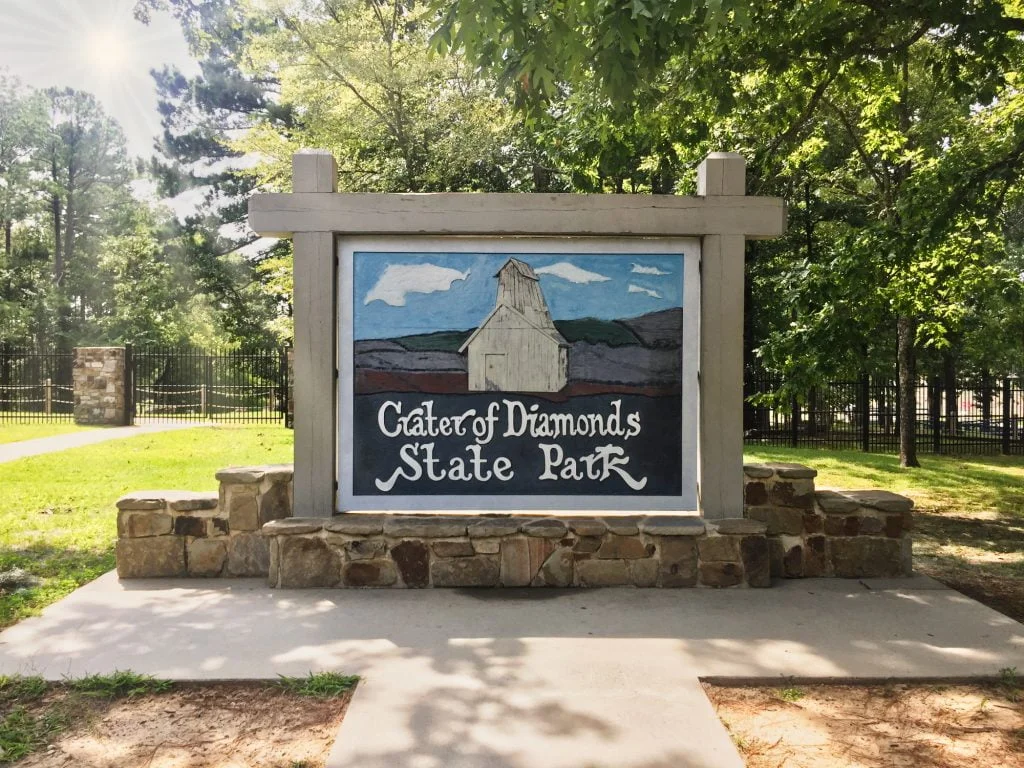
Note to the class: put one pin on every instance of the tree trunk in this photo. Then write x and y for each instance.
(986, 401)
(906, 330)
(58, 251)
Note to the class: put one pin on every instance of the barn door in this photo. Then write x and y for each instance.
(494, 372)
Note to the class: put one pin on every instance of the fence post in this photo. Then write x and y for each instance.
(207, 385)
(1007, 400)
(129, 385)
(865, 412)
(794, 424)
(48, 396)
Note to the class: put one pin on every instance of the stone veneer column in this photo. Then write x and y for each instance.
(99, 386)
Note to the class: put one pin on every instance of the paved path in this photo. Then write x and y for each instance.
(520, 678)
(41, 445)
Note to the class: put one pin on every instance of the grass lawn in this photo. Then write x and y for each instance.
(13, 433)
(969, 513)
(57, 516)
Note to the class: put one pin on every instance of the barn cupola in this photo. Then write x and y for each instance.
(519, 288)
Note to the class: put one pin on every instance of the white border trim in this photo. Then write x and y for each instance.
(688, 247)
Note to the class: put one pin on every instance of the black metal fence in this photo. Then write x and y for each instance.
(984, 416)
(35, 384)
(209, 385)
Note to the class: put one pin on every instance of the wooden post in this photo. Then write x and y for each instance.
(315, 347)
(722, 174)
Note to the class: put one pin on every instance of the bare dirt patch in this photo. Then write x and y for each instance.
(209, 725)
(876, 726)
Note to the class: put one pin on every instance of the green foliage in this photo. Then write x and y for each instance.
(594, 331)
(119, 684)
(57, 514)
(16, 688)
(320, 685)
(22, 732)
(791, 694)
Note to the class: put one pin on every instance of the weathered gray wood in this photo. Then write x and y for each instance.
(517, 214)
(315, 348)
(721, 176)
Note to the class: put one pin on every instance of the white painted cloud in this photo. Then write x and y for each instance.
(640, 269)
(401, 279)
(648, 291)
(572, 273)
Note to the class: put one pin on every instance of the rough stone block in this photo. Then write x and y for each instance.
(780, 520)
(678, 557)
(522, 557)
(644, 573)
(243, 512)
(151, 557)
(788, 471)
(587, 526)
(865, 557)
(815, 557)
(143, 500)
(793, 562)
(476, 571)
(184, 501)
(740, 526)
(355, 524)
(462, 548)
(792, 493)
(883, 501)
(755, 494)
(602, 573)
(834, 525)
(756, 562)
(275, 504)
(293, 526)
(894, 526)
(718, 549)
(429, 526)
(413, 561)
(137, 524)
(547, 528)
(759, 471)
(834, 503)
(557, 570)
(487, 546)
(364, 549)
(307, 561)
(871, 526)
(248, 555)
(191, 525)
(206, 557)
(491, 527)
(623, 525)
(369, 573)
(623, 548)
(776, 557)
(217, 526)
(587, 545)
(721, 574)
(672, 525)
(813, 522)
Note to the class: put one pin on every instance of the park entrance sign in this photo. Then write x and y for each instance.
(518, 351)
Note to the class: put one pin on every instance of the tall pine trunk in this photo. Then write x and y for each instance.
(906, 330)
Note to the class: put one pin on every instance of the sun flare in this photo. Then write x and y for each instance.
(107, 51)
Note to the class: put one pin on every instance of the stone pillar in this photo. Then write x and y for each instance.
(99, 384)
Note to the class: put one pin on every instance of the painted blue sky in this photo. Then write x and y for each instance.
(398, 294)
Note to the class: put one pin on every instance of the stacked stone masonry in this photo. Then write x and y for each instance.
(181, 533)
(98, 378)
(382, 550)
(790, 530)
(848, 534)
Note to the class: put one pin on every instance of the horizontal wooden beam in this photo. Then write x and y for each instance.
(459, 213)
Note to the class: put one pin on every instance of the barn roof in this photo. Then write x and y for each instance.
(521, 266)
(552, 332)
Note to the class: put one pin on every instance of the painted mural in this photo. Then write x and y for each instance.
(528, 374)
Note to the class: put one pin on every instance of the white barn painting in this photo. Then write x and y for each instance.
(517, 347)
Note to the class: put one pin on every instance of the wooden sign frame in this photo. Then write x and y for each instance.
(316, 216)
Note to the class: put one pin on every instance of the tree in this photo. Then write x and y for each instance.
(906, 112)
(22, 125)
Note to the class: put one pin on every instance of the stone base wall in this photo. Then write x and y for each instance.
(848, 534)
(181, 533)
(99, 386)
(790, 530)
(382, 550)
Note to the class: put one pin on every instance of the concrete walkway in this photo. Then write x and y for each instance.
(520, 678)
(41, 445)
